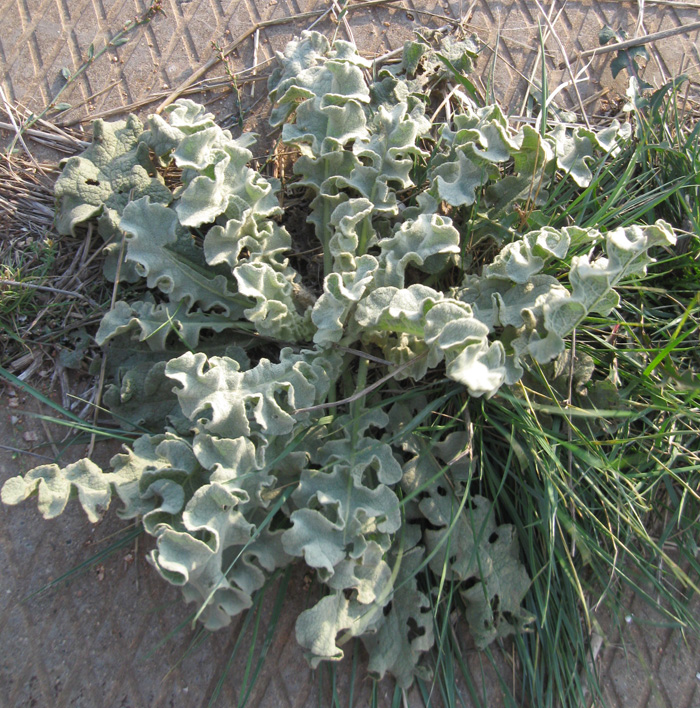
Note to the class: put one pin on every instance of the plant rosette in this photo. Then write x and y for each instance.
(267, 436)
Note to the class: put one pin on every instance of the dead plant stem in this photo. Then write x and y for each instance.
(639, 41)
(103, 366)
(46, 288)
(566, 61)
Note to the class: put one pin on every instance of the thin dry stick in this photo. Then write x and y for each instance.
(213, 61)
(92, 97)
(567, 62)
(32, 132)
(639, 41)
(342, 15)
(89, 260)
(394, 53)
(453, 21)
(659, 63)
(49, 439)
(639, 27)
(65, 386)
(32, 369)
(256, 44)
(320, 18)
(365, 391)
(361, 354)
(466, 16)
(199, 87)
(65, 287)
(103, 367)
(15, 127)
(445, 102)
(674, 3)
(558, 90)
(57, 291)
(62, 134)
(86, 249)
(538, 57)
(512, 67)
(78, 256)
(523, 45)
(26, 452)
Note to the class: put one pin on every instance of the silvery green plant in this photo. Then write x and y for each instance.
(261, 385)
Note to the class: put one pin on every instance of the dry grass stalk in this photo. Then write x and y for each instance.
(639, 41)
(538, 57)
(198, 87)
(675, 3)
(46, 288)
(569, 69)
(55, 141)
(26, 199)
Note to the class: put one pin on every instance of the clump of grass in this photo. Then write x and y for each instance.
(604, 493)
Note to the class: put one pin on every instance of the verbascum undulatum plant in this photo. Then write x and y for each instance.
(247, 469)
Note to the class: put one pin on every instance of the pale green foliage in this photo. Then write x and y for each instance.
(535, 311)
(156, 322)
(244, 471)
(101, 181)
(54, 487)
(482, 556)
(481, 141)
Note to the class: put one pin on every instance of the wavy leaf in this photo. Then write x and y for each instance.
(163, 253)
(261, 240)
(202, 557)
(54, 486)
(263, 399)
(341, 292)
(469, 549)
(142, 396)
(153, 323)
(184, 117)
(407, 630)
(218, 181)
(427, 243)
(275, 312)
(103, 179)
(593, 282)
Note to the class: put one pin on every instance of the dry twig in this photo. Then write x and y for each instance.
(675, 3)
(360, 394)
(538, 58)
(639, 41)
(566, 61)
(57, 141)
(46, 288)
(14, 126)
